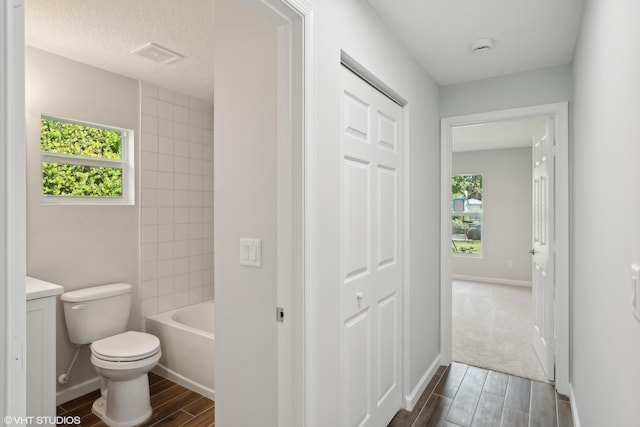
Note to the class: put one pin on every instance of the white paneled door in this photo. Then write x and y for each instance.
(543, 247)
(371, 254)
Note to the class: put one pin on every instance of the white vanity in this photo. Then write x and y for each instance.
(41, 347)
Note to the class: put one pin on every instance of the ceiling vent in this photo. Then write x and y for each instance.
(157, 53)
(482, 45)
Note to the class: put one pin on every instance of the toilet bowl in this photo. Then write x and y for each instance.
(99, 316)
(123, 361)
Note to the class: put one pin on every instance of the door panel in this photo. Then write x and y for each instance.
(371, 267)
(542, 247)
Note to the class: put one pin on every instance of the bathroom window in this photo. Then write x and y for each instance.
(466, 215)
(85, 163)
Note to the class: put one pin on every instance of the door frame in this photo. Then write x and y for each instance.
(13, 216)
(296, 207)
(560, 112)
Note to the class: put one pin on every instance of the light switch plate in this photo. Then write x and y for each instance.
(251, 252)
(635, 290)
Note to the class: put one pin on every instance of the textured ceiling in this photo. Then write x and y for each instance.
(529, 34)
(101, 33)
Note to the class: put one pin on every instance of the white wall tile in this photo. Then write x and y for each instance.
(166, 144)
(165, 303)
(166, 215)
(165, 198)
(165, 285)
(195, 166)
(181, 299)
(148, 252)
(181, 282)
(149, 161)
(181, 265)
(148, 215)
(182, 100)
(149, 289)
(181, 248)
(166, 110)
(148, 270)
(166, 95)
(149, 124)
(149, 179)
(165, 268)
(148, 234)
(149, 143)
(165, 181)
(149, 307)
(149, 106)
(165, 251)
(149, 90)
(196, 295)
(149, 197)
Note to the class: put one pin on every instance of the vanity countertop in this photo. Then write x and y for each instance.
(37, 288)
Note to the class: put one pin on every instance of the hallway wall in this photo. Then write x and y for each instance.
(605, 335)
(543, 86)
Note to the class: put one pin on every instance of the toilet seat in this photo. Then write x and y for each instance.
(128, 346)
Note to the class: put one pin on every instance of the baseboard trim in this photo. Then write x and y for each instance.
(169, 374)
(490, 280)
(412, 398)
(574, 407)
(77, 390)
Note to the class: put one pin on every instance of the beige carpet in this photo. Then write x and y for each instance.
(492, 327)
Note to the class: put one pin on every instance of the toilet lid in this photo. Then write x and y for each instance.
(126, 347)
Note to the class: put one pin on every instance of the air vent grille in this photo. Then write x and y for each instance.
(157, 53)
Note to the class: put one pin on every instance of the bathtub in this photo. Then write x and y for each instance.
(187, 341)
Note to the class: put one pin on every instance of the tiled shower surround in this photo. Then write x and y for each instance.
(176, 197)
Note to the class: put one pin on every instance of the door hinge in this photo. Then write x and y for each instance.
(280, 314)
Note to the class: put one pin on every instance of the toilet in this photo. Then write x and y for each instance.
(99, 316)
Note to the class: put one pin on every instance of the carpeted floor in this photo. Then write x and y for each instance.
(492, 328)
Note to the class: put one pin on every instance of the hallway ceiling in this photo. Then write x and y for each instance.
(528, 34)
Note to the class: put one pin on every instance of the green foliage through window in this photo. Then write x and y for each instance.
(70, 151)
(466, 217)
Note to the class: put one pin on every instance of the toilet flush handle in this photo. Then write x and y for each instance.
(79, 307)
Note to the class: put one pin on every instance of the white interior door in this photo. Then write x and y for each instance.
(543, 247)
(371, 265)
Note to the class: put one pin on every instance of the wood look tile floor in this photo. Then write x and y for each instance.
(466, 396)
(173, 405)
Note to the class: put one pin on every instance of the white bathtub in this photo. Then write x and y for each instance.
(187, 341)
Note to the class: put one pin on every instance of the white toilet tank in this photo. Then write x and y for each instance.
(97, 312)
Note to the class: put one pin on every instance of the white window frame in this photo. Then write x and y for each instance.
(467, 213)
(126, 163)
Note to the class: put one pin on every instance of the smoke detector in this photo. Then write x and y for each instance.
(157, 53)
(482, 45)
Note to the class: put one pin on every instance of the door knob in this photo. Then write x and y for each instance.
(532, 251)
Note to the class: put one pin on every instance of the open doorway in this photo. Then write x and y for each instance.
(559, 309)
(491, 234)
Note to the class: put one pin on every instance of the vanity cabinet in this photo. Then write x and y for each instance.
(41, 347)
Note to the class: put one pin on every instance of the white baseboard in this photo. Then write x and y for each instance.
(411, 400)
(574, 407)
(77, 390)
(169, 374)
(490, 280)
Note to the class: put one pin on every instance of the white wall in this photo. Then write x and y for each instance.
(78, 246)
(349, 25)
(544, 86)
(506, 221)
(244, 159)
(245, 206)
(605, 336)
(176, 200)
